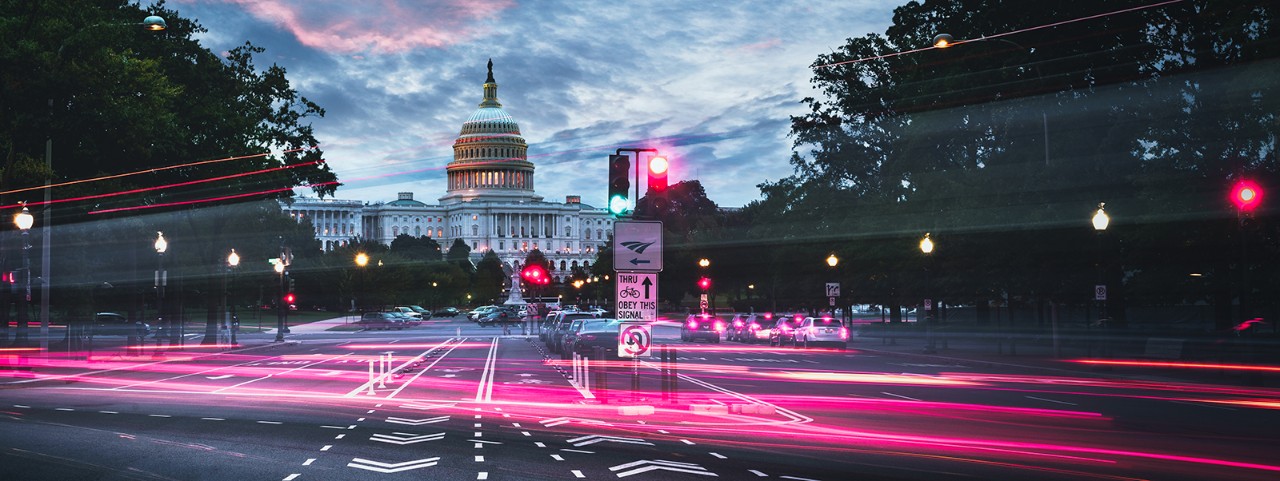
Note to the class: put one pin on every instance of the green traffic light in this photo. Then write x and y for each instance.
(618, 204)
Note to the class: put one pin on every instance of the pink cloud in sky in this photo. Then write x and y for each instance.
(763, 45)
(383, 26)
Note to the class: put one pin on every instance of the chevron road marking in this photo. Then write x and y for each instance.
(425, 407)
(417, 422)
(405, 438)
(387, 468)
(566, 420)
(660, 464)
(595, 438)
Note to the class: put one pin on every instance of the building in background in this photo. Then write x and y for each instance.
(490, 203)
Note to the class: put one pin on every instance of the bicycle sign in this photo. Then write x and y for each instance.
(634, 339)
(637, 295)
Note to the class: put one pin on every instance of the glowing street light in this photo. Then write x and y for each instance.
(832, 260)
(926, 244)
(1101, 219)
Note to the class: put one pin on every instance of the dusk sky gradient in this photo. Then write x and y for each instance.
(711, 84)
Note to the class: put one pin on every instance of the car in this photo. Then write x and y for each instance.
(378, 320)
(825, 330)
(784, 329)
(556, 335)
(566, 341)
(446, 312)
(548, 323)
(480, 311)
(701, 326)
(425, 314)
(749, 328)
(498, 316)
(596, 333)
(404, 320)
(113, 324)
(408, 311)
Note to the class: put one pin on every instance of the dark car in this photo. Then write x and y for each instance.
(556, 336)
(497, 316)
(597, 333)
(379, 320)
(701, 326)
(404, 319)
(423, 313)
(749, 328)
(446, 312)
(784, 330)
(112, 324)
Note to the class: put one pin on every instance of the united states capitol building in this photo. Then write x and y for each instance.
(490, 203)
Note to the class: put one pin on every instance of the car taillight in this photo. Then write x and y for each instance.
(719, 326)
(693, 324)
(754, 327)
(844, 333)
(737, 323)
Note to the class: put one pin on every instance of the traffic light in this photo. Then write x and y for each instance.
(619, 184)
(704, 283)
(658, 167)
(289, 298)
(291, 289)
(1246, 195)
(535, 274)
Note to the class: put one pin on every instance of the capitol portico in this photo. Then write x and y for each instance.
(489, 204)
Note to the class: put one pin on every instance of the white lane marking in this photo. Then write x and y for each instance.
(792, 415)
(371, 411)
(287, 371)
(63, 409)
(213, 419)
(19, 406)
(578, 451)
(526, 433)
(663, 431)
(686, 441)
(333, 427)
(365, 386)
(538, 444)
(169, 378)
(718, 455)
(1051, 400)
(308, 461)
(360, 420)
(482, 475)
(115, 412)
(270, 422)
(516, 425)
(477, 424)
(557, 457)
(577, 474)
(797, 479)
(292, 477)
(326, 447)
(340, 436)
(757, 473)
(899, 396)
(484, 392)
(162, 416)
(478, 435)
(479, 459)
(477, 416)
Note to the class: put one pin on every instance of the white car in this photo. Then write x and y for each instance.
(821, 330)
(408, 311)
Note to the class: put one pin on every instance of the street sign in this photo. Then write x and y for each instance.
(634, 339)
(637, 246)
(833, 289)
(1100, 292)
(637, 296)
(702, 302)
(831, 301)
(928, 304)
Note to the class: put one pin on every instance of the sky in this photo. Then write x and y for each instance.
(710, 84)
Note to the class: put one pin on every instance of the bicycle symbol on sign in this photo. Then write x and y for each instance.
(629, 293)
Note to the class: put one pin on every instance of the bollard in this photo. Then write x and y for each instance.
(664, 372)
(370, 378)
(675, 375)
(602, 379)
(382, 372)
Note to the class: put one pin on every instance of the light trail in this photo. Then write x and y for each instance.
(1182, 365)
(209, 199)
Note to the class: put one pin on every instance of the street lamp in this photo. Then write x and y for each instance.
(24, 221)
(362, 260)
(1100, 222)
(161, 281)
(926, 247)
(233, 261)
(704, 262)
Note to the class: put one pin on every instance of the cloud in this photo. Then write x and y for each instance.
(384, 26)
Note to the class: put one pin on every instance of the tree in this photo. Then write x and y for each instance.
(489, 277)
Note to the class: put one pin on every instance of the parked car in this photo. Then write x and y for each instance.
(480, 311)
(546, 325)
(749, 328)
(566, 341)
(784, 329)
(701, 326)
(597, 333)
(498, 316)
(445, 312)
(408, 311)
(423, 313)
(379, 320)
(404, 319)
(825, 330)
(112, 324)
(556, 336)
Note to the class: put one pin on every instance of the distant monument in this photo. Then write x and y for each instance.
(515, 299)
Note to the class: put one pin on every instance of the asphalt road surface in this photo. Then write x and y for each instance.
(453, 401)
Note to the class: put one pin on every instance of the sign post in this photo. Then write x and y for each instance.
(637, 296)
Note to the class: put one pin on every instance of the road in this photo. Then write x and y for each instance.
(463, 402)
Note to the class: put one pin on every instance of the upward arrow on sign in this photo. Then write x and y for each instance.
(647, 283)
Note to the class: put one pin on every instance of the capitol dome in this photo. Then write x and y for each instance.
(490, 156)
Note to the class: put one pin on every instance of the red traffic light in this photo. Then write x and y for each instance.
(1246, 195)
(658, 168)
(289, 298)
(535, 274)
(704, 283)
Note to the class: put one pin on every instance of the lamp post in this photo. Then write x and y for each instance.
(152, 23)
(926, 248)
(944, 40)
(233, 261)
(280, 300)
(24, 221)
(833, 261)
(1100, 222)
(162, 280)
(362, 260)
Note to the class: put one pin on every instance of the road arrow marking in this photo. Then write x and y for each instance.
(417, 422)
(388, 468)
(405, 438)
(215, 378)
(660, 464)
(565, 420)
(595, 438)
